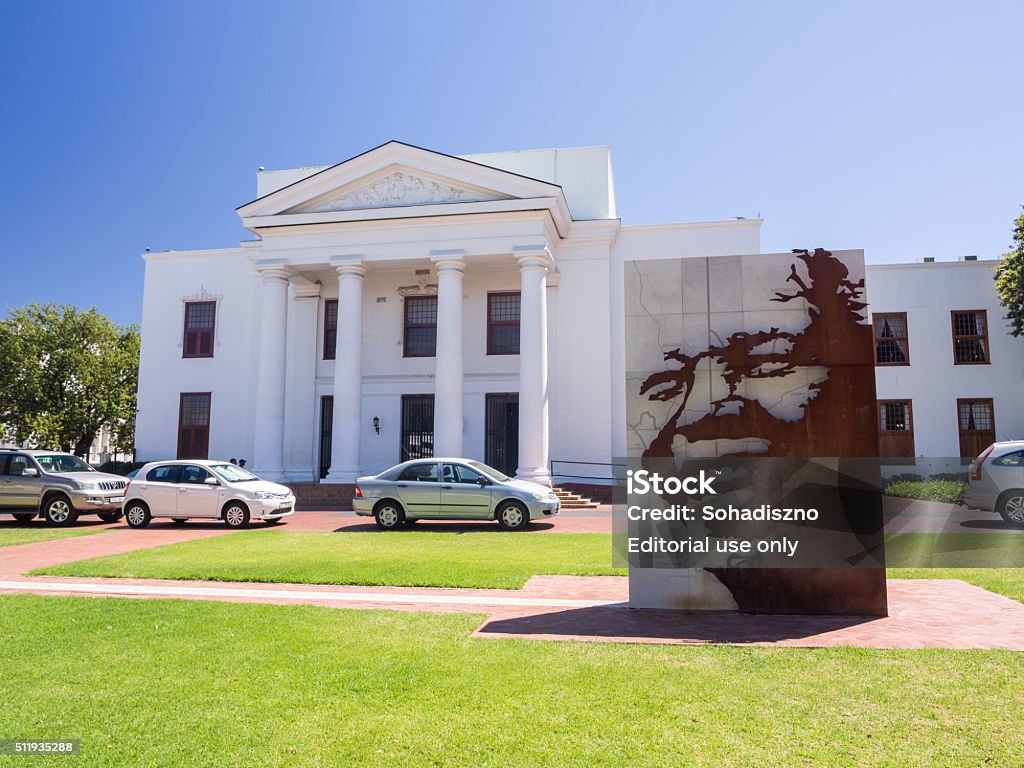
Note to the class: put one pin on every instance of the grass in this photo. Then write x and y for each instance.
(12, 533)
(398, 558)
(433, 559)
(955, 550)
(171, 683)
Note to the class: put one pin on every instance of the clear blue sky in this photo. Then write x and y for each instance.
(893, 127)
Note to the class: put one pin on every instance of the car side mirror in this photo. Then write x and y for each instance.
(483, 481)
(30, 472)
(211, 481)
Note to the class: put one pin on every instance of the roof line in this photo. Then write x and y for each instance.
(404, 144)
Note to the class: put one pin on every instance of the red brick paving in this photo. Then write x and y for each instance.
(941, 613)
(923, 613)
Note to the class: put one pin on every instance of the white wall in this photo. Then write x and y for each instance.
(928, 293)
(229, 375)
(583, 173)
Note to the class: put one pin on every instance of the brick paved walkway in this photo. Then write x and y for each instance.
(923, 614)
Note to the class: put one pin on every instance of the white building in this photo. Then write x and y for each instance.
(949, 377)
(406, 302)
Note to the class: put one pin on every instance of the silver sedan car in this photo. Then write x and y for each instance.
(996, 481)
(451, 489)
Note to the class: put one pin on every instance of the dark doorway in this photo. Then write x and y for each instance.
(326, 427)
(417, 427)
(194, 425)
(502, 432)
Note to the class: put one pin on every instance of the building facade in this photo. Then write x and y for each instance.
(406, 303)
(949, 377)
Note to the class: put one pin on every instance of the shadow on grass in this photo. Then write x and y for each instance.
(445, 527)
(38, 524)
(992, 525)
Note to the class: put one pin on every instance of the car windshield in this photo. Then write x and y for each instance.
(233, 473)
(60, 463)
(491, 472)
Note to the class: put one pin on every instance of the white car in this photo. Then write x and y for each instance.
(996, 481)
(212, 490)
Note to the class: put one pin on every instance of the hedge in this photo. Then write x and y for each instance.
(945, 490)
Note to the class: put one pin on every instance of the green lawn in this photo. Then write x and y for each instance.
(18, 533)
(1005, 581)
(412, 558)
(172, 683)
(489, 559)
(955, 550)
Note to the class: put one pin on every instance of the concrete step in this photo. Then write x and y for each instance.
(570, 500)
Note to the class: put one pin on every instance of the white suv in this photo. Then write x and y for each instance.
(214, 490)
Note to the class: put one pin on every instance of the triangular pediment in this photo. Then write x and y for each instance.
(396, 175)
(397, 187)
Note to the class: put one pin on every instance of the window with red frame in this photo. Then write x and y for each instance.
(420, 326)
(200, 320)
(970, 337)
(891, 344)
(194, 425)
(503, 323)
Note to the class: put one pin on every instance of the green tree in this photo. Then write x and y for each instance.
(1010, 280)
(64, 373)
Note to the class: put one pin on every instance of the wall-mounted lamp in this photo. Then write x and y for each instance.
(376, 424)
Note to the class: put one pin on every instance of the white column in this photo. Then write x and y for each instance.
(617, 327)
(533, 365)
(300, 386)
(448, 358)
(268, 442)
(554, 382)
(346, 430)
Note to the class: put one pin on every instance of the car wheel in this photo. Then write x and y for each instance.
(1011, 507)
(236, 515)
(137, 515)
(58, 511)
(513, 516)
(179, 520)
(24, 518)
(109, 517)
(389, 515)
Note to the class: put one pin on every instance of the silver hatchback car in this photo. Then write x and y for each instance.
(996, 481)
(451, 489)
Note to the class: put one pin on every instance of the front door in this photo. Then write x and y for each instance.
(195, 497)
(417, 427)
(501, 450)
(977, 426)
(18, 492)
(160, 490)
(326, 427)
(194, 425)
(419, 491)
(461, 492)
